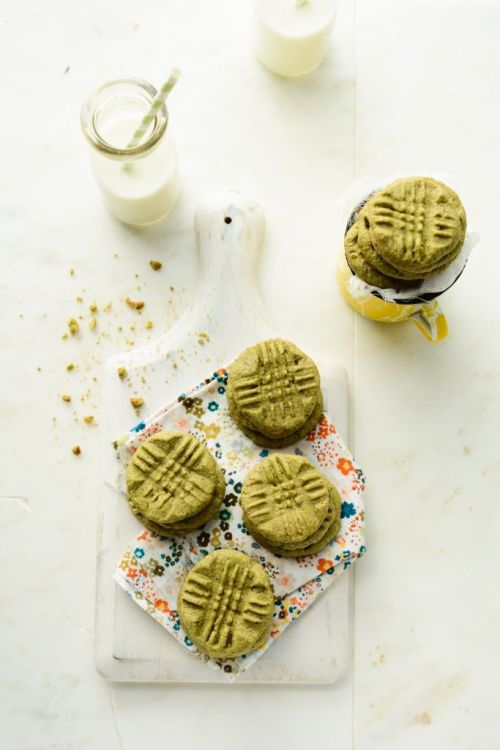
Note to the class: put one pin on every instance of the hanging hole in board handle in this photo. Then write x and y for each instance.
(227, 219)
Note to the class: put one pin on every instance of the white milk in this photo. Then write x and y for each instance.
(291, 37)
(139, 191)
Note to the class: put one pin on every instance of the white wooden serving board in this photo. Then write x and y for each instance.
(130, 646)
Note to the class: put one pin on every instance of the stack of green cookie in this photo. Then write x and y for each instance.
(226, 604)
(405, 233)
(274, 393)
(174, 484)
(289, 507)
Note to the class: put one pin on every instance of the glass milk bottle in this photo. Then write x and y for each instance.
(291, 37)
(139, 184)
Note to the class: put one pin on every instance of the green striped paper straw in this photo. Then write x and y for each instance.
(156, 104)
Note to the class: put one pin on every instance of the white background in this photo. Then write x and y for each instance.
(409, 88)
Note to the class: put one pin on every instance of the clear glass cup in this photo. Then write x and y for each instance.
(139, 185)
(291, 37)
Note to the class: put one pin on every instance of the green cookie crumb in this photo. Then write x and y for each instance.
(73, 326)
(134, 304)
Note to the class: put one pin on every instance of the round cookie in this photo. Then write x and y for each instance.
(372, 266)
(226, 604)
(426, 272)
(332, 517)
(264, 440)
(415, 223)
(275, 387)
(376, 260)
(171, 478)
(190, 524)
(284, 499)
(361, 267)
(369, 253)
(325, 534)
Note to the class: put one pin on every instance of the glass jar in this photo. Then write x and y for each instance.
(291, 37)
(139, 184)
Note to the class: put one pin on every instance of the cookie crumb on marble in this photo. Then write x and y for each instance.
(134, 304)
(73, 326)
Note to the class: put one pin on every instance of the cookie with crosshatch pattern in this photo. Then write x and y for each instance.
(226, 604)
(189, 524)
(280, 442)
(371, 255)
(274, 392)
(284, 499)
(416, 224)
(174, 484)
(359, 263)
(289, 507)
(326, 533)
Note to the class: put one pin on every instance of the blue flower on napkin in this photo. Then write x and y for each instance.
(347, 510)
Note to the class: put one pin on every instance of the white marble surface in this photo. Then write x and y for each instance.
(424, 99)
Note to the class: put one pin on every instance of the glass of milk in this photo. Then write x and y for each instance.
(291, 37)
(139, 185)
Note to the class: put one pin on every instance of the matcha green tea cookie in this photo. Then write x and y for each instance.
(316, 542)
(270, 442)
(191, 523)
(289, 507)
(409, 231)
(226, 604)
(173, 483)
(375, 259)
(361, 266)
(274, 390)
(416, 224)
(284, 499)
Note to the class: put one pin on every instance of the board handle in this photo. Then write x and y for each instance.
(226, 302)
(229, 229)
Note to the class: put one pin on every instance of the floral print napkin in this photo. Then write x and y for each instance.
(153, 567)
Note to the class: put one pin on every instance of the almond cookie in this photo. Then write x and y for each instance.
(226, 604)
